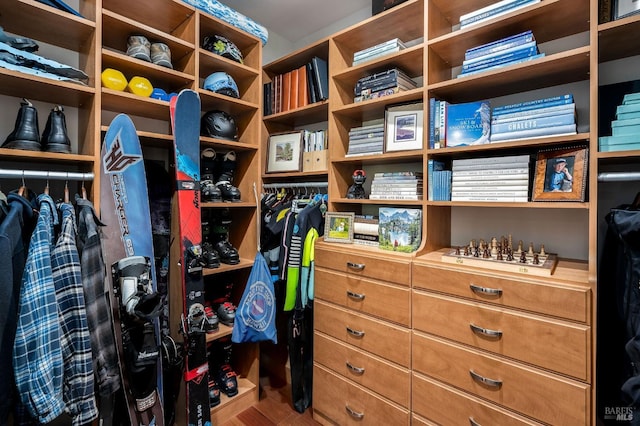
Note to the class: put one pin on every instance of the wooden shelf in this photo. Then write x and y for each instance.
(46, 157)
(167, 16)
(386, 158)
(128, 103)
(528, 205)
(21, 85)
(210, 62)
(223, 330)
(617, 39)
(244, 264)
(236, 146)
(374, 108)
(228, 407)
(417, 203)
(227, 104)
(308, 114)
(315, 173)
(408, 60)
(521, 145)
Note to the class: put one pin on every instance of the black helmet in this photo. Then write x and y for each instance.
(222, 46)
(219, 124)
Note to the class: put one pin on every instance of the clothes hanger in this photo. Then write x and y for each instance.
(22, 191)
(46, 185)
(66, 191)
(83, 190)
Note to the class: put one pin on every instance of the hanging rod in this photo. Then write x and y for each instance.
(618, 176)
(295, 185)
(42, 174)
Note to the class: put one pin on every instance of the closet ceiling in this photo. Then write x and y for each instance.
(295, 19)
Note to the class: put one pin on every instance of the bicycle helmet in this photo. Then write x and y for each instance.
(223, 83)
(219, 124)
(222, 46)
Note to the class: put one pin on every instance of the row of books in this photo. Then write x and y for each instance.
(366, 140)
(314, 140)
(460, 124)
(394, 228)
(493, 11)
(397, 186)
(625, 129)
(501, 179)
(381, 49)
(544, 117)
(500, 53)
(297, 88)
(365, 230)
(383, 83)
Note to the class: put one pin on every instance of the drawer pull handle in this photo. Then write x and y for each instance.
(486, 290)
(356, 266)
(494, 334)
(485, 380)
(353, 413)
(355, 332)
(357, 370)
(472, 422)
(356, 296)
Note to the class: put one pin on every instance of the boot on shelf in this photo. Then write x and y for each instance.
(220, 222)
(26, 134)
(208, 188)
(54, 137)
(224, 182)
(220, 366)
(224, 307)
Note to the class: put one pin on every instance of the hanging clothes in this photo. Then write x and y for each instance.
(78, 393)
(15, 232)
(103, 344)
(37, 356)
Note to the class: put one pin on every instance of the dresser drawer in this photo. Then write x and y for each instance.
(390, 268)
(564, 301)
(364, 295)
(374, 373)
(544, 396)
(384, 339)
(549, 343)
(346, 403)
(437, 407)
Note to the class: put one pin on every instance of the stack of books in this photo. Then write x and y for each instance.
(510, 50)
(314, 140)
(382, 84)
(396, 186)
(534, 119)
(493, 11)
(365, 230)
(625, 129)
(462, 124)
(366, 140)
(384, 48)
(500, 179)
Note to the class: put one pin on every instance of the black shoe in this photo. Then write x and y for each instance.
(228, 253)
(210, 192)
(227, 313)
(227, 380)
(214, 393)
(54, 137)
(26, 134)
(227, 168)
(210, 256)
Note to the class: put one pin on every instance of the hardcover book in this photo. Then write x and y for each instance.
(533, 123)
(536, 103)
(492, 11)
(504, 58)
(399, 229)
(498, 46)
(535, 113)
(468, 124)
(567, 129)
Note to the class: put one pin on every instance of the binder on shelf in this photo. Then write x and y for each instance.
(321, 77)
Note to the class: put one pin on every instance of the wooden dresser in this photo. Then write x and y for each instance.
(501, 348)
(362, 340)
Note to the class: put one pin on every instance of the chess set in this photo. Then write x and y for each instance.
(499, 254)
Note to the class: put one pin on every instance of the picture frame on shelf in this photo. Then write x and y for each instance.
(378, 6)
(284, 152)
(624, 8)
(338, 227)
(404, 127)
(561, 174)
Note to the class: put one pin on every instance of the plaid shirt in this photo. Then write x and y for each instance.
(103, 344)
(37, 356)
(75, 342)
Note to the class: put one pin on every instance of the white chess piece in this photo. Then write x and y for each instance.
(542, 253)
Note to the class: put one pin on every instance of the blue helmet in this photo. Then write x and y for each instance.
(223, 83)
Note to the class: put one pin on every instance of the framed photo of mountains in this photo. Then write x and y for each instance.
(399, 229)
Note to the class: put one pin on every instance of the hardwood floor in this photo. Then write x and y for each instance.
(274, 408)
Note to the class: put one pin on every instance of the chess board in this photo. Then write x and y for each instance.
(545, 267)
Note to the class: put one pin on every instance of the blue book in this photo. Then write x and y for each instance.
(535, 113)
(432, 167)
(567, 129)
(625, 130)
(502, 58)
(499, 45)
(536, 103)
(499, 53)
(621, 109)
(631, 97)
(501, 9)
(517, 61)
(533, 123)
(627, 115)
(432, 120)
(468, 123)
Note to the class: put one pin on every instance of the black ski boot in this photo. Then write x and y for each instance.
(26, 134)
(223, 305)
(220, 237)
(224, 182)
(54, 137)
(220, 366)
(210, 192)
(210, 257)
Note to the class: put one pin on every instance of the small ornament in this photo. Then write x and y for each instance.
(356, 191)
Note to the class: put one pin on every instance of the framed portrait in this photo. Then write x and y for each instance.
(624, 8)
(403, 127)
(338, 227)
(561, 174)
(284, 152)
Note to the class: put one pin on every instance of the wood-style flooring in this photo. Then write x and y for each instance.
(274, 408)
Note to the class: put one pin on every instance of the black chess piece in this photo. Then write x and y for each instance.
(523, 257)
(356, 191)
(476, 252)
(485, 254)
(536, 259)
(457, 251)
(499, 256)
(509, 255)
(466, 250)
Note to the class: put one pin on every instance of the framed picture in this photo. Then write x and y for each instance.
(561, 174)
(378, 6)
(403, 127)
(284, 152)
(338, 227)
(624, 8)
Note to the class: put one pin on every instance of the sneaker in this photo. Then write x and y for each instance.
(139, 47)
(161, 55)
